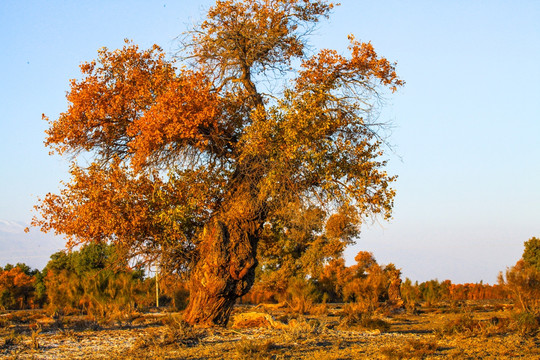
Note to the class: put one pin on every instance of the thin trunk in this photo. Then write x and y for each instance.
(394, 292)
(157, 286)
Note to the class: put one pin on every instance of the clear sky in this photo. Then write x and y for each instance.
(466, 130)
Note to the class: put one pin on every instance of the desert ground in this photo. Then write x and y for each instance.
(466, 330)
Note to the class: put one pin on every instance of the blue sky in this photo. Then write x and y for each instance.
(466, 127)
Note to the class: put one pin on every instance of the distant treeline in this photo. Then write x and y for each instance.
(92, 280)
(95, 281)
(433, 291)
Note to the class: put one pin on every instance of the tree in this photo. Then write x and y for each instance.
(16, 286)
(191, 163)
(368, 285)
(523, 284)
(299, 243)
(531, 254)
(84, 280)
(523, 279)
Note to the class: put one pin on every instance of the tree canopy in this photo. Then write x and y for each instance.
(531, 254)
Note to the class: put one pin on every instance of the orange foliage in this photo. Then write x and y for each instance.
(16, 289)
(476, 291)
(234, 157)
(145, 216)
(334, 278)
(365, 282)
(522, 283)
(134, 104)
(134, 111)
(433, 291)
(364, 65)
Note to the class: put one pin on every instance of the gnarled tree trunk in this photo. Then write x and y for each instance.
(225, 268)
(224, 272)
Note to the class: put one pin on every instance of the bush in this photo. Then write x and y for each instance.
(464, 324)
(178, 332)
(254, 349)
(10, 340)
(412, 349)
(302, 296)
(523, 283)
(355, 317)
(526, 323)
(92, 282)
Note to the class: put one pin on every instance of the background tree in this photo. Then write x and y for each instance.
(94, 281)
(531, 254)
(190, 163)
(16, 286)
(370, 284)
(410, 293)
(523, 279)
(294, 249)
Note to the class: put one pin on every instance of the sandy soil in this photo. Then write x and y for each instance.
(426, 335)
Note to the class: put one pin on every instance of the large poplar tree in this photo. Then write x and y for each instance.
(194, 159)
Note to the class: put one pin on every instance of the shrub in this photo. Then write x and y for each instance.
(526, 323)
(179, 332)
(355, 317)
(300, 329)
(413, 348)
(523, 284)
(91, 281)
(10, 340)
(302, 296)
(466, 325)
(254, 349)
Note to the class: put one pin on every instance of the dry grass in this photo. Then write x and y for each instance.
(175, 332)
(411, 349)
(492, 333)
(254, 349)
(467, 324)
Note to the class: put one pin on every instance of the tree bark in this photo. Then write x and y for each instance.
(394, 291)
(224, 272)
